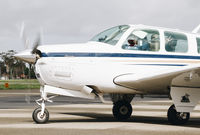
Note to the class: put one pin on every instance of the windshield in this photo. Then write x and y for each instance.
(111, 36)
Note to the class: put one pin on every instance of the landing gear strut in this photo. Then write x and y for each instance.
(122, 110)
(177, 118)
(41, 115)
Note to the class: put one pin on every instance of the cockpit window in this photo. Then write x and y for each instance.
(143, 40)
(111, 36)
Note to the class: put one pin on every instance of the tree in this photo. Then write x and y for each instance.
(2, 68)
(11, 67)
(8, 60)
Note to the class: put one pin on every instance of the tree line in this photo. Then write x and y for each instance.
(12, 68)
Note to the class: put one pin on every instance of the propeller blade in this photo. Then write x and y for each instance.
(23, 36)
(35, 45)
(22, 30)
(26, 56)
(29, 55)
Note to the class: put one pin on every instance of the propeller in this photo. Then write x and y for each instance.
(23, 36)
(29, 55)
(36, 43)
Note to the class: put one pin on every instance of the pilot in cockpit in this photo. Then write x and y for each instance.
(137, 41)
(131, 44)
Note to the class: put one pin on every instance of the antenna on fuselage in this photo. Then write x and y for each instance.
(196, 30)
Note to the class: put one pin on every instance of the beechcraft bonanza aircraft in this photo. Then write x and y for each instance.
(122, 61)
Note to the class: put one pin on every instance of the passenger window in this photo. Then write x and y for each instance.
(143, 40)
(198, 45)
(175, 42)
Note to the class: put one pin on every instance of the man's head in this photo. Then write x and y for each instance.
(132, 42)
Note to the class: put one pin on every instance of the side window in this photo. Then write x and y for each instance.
(175, 42)
(143, 40)
(198, 45)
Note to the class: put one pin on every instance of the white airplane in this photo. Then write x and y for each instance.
(122, 61)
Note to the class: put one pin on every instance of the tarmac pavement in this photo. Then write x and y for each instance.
(75, 116)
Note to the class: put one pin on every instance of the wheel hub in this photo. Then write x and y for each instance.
(40, 116)
(183, 115)
(123, 110)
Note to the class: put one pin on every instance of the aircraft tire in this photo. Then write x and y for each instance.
(177, 118)
(38, 118)
(122, 110)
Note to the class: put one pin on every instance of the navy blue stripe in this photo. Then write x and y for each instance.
(81, 54)
(160, 64)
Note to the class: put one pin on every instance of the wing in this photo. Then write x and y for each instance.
(156, 82)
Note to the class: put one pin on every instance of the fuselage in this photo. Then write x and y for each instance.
(99, 63)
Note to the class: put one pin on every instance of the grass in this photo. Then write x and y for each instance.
(20, 84)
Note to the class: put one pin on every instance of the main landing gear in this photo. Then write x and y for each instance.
(122, 110)
(177, 118)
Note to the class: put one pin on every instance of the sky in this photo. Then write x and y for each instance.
(77, 21)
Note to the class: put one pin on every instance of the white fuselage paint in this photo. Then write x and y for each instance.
(122, 65)
(75, 72)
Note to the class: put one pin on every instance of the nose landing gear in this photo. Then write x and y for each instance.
(41, 115)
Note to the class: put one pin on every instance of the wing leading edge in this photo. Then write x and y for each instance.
(156, 82)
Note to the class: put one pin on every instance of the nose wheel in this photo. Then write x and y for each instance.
(177, 118)
(122, 110)
(40, 117)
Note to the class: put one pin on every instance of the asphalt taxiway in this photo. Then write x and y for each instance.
(75, 116)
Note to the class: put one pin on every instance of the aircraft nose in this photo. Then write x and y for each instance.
(26, 56)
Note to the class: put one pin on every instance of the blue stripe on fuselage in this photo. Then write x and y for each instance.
(160, 64)
(127, 55)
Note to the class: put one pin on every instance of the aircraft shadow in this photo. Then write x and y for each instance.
(97, 117)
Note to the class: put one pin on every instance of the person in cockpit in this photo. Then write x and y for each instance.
(131, 44)
(144, 45)
(135, 44)
(170, 44)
